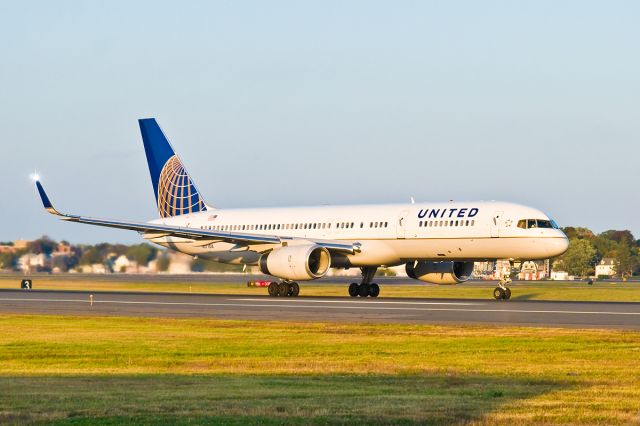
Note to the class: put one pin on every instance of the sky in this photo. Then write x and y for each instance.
(332, 102)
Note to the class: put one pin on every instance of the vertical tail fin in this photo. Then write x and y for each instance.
(175, 192)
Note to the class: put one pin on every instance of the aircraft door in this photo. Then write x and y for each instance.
(330, 229)
(495, 224)
(401, 224)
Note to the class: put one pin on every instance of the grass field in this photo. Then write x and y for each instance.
(544, 290)
(79, 370)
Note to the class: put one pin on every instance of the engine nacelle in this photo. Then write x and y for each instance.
(440, 272)
(303, 262)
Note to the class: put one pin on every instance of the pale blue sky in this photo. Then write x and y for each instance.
(299, 103)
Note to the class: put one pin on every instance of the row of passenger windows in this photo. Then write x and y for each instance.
(277, 226)
(433, 223)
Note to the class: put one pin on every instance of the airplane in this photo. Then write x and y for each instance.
(437, 242)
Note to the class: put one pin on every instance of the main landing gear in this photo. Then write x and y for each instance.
(502, 292)
(284, 289)
(366, 288)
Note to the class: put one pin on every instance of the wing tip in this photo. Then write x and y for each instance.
(46, 202)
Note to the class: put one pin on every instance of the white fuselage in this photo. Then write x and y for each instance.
(387, 234)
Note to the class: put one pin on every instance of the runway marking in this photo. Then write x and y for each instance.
(377, 302)
(383, 308)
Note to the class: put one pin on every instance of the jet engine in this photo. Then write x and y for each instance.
(301, 262)
(440, 272)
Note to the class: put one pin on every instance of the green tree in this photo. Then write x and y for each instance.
(141, 253)
(578, 232)
(625, 261)
(43, 245)
(8, 260)
(90, 256)
(577, 260)
(163, 263)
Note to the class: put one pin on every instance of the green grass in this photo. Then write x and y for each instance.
(544, 290)
(88, 370)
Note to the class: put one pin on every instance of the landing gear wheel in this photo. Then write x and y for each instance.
(354, 289)
(498, 293)
(374, 290)
(273, 289)
(294, 289)
(363, 290)
(507, 293)
(283, 289)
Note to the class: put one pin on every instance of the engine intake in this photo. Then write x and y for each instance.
(303, 262)
(440, 272)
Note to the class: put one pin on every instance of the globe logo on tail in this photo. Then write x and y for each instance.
(176, 193)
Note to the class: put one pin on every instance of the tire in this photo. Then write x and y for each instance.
(507, 293)
(273, 289)
(283, 289)
(294, 289)
(354, 289)
(363, 290)
(374, 290)
(498, 293)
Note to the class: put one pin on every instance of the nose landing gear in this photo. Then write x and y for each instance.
(502, 292)
(366, 288)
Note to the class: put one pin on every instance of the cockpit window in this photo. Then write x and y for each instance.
(537, 223)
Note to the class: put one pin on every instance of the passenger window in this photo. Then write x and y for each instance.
(361, 224)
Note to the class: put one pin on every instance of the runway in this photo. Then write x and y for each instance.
(332, 309)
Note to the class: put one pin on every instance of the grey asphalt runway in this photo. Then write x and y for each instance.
(333, 309)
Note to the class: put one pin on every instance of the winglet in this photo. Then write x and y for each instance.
(45, 200)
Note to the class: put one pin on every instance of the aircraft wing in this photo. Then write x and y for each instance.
(191, 233)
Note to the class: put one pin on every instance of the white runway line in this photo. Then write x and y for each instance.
(270, 305)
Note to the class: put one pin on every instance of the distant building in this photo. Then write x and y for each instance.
(62, 249)
(121, 264)
(180, 263)
(33, 262)
(94, 268)
(484, 270)
(6, 248)
(606, 267)
(560, 276)
(21, 244)
(533, 270)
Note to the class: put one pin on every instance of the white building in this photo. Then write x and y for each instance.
(33, 262)
(606, 267)
(560, 276)
(121, 264)
(180, 263)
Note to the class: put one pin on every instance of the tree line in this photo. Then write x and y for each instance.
(586, 250)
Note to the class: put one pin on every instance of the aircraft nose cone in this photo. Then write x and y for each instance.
(558, 246)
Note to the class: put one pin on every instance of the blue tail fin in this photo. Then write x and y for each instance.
(175, 192)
